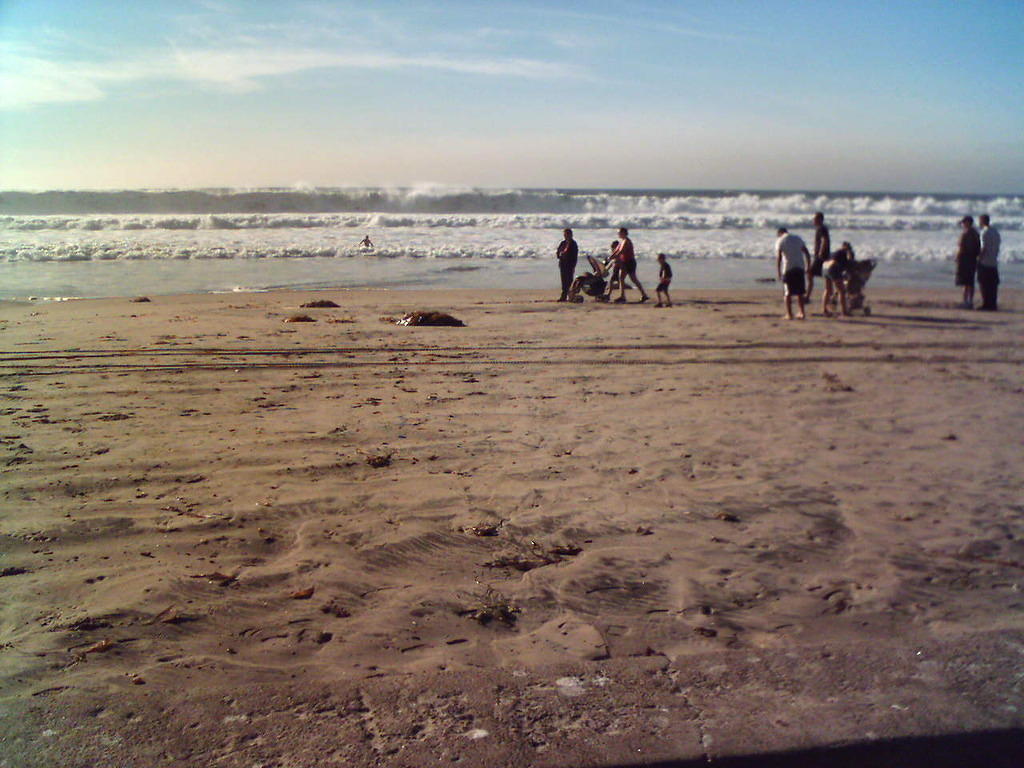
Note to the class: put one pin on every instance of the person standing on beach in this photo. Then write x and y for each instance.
(791, 261)
(988, 265)
(568, 252)
(664, 278)
(822, 251)
(626, 259)
(967, 259)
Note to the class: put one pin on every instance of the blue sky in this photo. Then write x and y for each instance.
(865, 95)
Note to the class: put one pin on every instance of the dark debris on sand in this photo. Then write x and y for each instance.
(431, 318)
(379, 460)
(490, 605)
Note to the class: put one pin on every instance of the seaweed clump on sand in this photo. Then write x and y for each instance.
(489, 606)
(379, 460)
(430, 318)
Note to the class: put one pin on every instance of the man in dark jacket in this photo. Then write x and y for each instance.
(967, 259)
(567, 253)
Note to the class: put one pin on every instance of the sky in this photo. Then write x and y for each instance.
(863, 95)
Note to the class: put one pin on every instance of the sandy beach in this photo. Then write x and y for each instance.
(208, 510)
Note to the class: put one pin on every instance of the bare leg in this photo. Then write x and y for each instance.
(800, 301)
(969, 295)
(643, 293)
(842, 298)
(789, 307)
(826, 298)
(615, 276)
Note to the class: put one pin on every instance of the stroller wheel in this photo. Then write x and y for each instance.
(867, 310)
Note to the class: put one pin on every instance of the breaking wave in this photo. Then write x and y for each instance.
(248, 208)
(445, 223)
(93, 223)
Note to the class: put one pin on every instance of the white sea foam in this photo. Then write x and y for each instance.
(290, 237)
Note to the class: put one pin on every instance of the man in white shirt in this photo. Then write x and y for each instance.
(792, 260)
(988, 265)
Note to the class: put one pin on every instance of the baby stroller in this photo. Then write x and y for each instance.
(854, 275)
(857, 275)
(592, 283)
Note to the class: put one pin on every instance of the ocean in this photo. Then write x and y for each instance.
(80, 243)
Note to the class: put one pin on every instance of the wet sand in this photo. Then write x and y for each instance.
(200, 500)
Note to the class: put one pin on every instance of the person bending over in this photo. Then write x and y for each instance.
(835, 280)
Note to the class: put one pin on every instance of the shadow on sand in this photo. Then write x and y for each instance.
(991, 749)
(921, 321)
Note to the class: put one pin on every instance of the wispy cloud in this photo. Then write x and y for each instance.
(645, 21)
(29, 78)
(244, 68)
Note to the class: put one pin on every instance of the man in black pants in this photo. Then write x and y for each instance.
(988, 264)
(568, 252)
(822, 251)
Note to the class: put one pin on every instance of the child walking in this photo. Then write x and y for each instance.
(664, 278)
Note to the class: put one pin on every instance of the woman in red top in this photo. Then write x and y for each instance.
(626, 260)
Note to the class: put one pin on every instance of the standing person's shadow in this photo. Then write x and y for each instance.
(988, 749)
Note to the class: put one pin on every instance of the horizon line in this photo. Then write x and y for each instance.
(305, 188)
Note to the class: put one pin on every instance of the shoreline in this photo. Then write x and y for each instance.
(59, 281)
(284, 528)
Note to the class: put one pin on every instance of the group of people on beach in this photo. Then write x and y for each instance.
(797, 268)
(976, 259)
(605, 276)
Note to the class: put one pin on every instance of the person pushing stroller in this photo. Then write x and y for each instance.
(626, 261)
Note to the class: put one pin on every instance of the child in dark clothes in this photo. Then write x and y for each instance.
(664, 278)
(613, 282)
